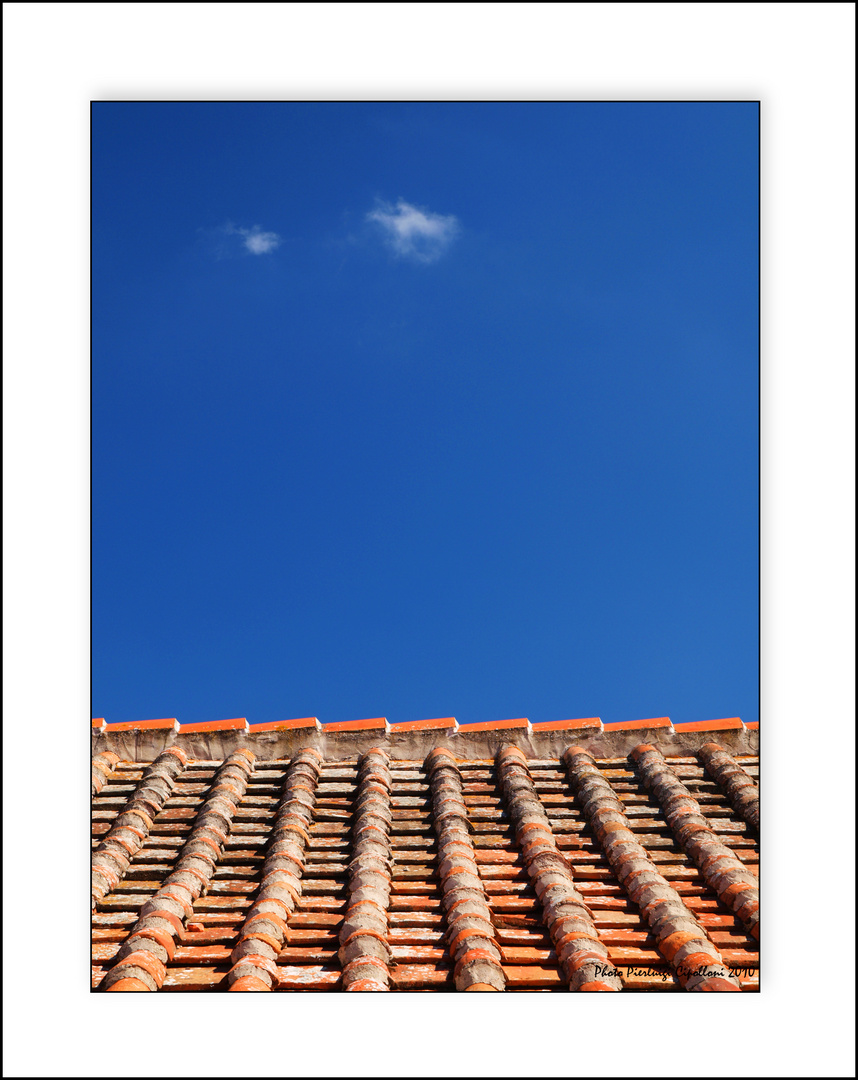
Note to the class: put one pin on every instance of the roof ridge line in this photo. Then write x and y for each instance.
(413, 740)
(448, 724)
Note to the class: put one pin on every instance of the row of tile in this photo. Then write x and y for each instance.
(470, 934)
(736, 886)
(471, 946)
(584, 959)
(254, 958)
(130, 830)
(141, 963)
(446, 724)
(682, 941)
(102, 766)
(364, 952)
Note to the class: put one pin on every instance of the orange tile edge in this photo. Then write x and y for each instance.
(215, 725)
(171, 724)
(731, 724)
(287, 725)
(640, 725)
(377, 723)
(569, 725)
(521, 724)
(445, 723)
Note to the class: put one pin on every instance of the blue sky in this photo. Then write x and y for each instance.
(425, 410)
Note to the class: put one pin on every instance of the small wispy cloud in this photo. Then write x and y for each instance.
(255, 240)
(414, 233)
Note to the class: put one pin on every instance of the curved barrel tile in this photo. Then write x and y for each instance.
(364, 948)
(102, 766)
(265, 929)
(470, 932)
(584, 959)
(740, 789)
(141, 963)
(130, 830)
(736, 886)
(680, 938)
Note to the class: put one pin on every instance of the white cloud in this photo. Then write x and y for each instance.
(414, 233)
(255, 240)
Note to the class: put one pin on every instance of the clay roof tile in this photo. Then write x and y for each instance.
(424, 855)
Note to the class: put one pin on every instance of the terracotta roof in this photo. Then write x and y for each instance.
(369, 856)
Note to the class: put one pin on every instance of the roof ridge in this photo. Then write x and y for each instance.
(448, 723)
(413, 740)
